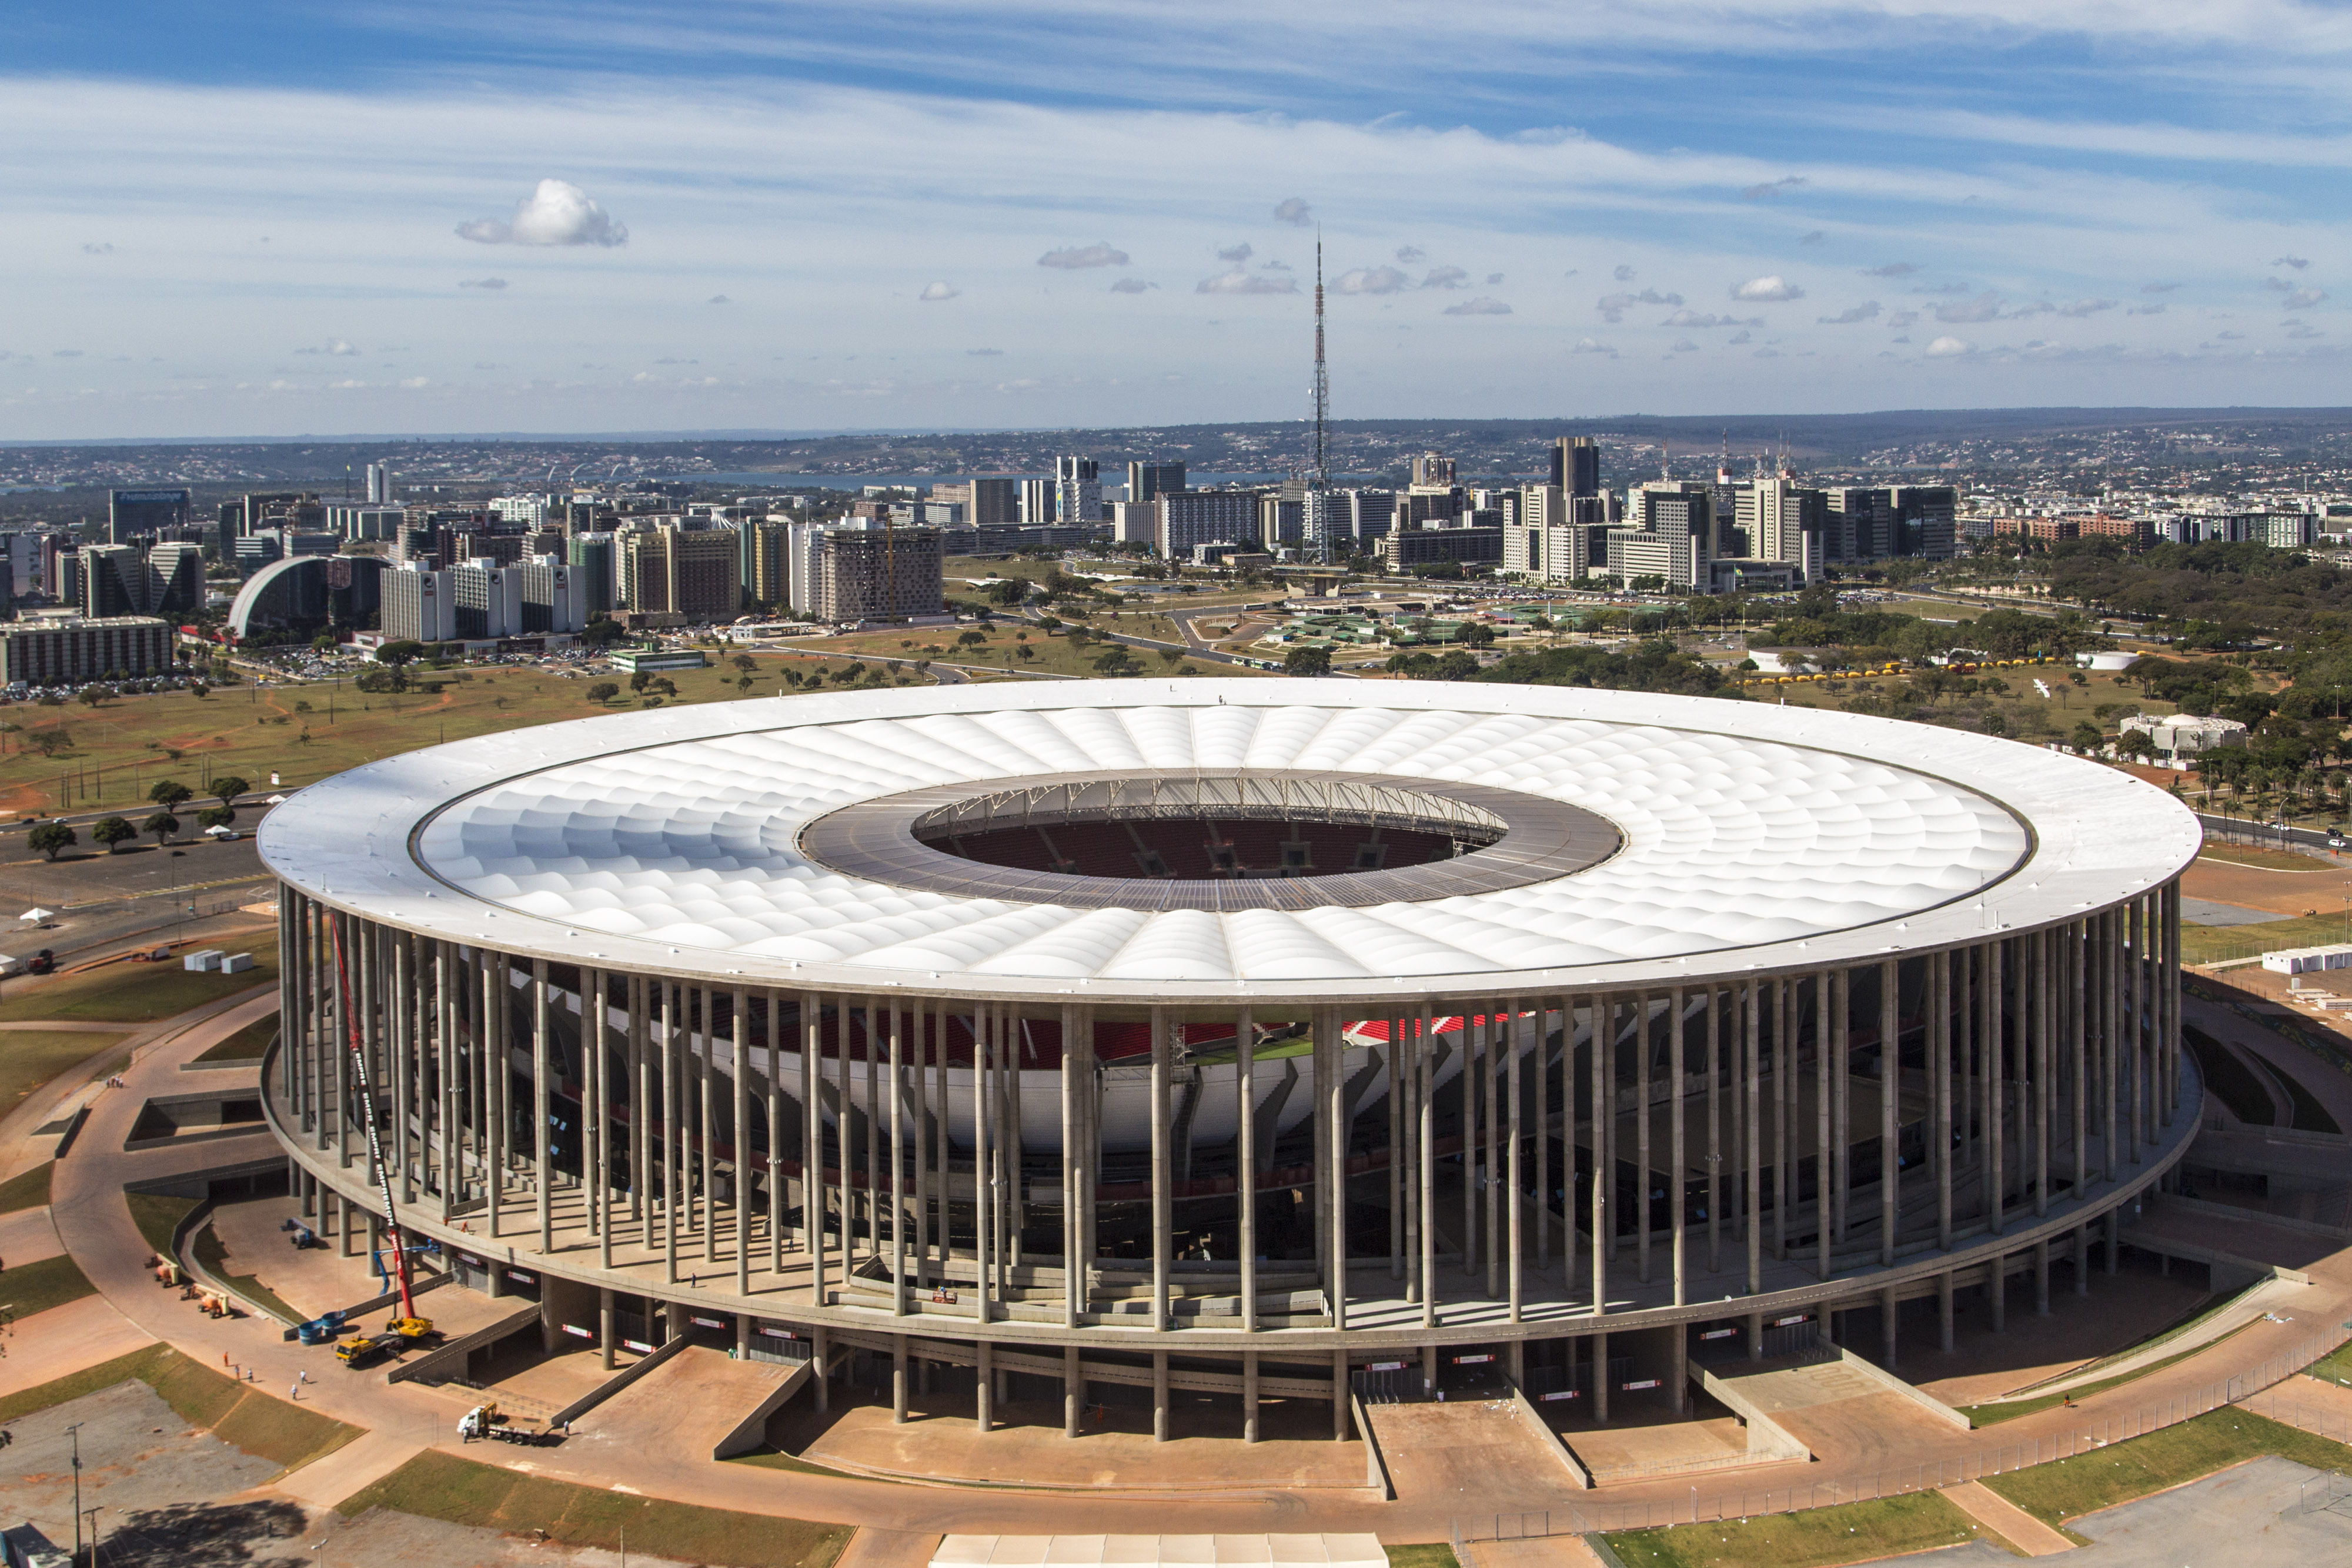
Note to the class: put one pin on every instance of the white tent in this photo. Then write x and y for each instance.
(36, 914)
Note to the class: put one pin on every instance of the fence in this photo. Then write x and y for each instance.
(2252, 1390)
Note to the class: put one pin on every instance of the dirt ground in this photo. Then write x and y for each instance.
(2323, 888)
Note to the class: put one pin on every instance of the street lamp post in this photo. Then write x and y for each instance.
(74, 1432)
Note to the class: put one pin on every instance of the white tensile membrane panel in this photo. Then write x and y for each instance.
(1730, 841)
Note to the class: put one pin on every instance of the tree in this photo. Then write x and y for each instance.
(2086, 738)
(53, 741)
(743, 683)
(48, 838)
(216, 816)
(227, 787)
(406, 650)
(1478, 634)
(379, 679)
(1304, 661)
(1022, 649)
(604, 692)
(602, 631)
(640, 679)
(1009, 592)
(94, 696)
(745, 662)
(112, 830)
(1169, 656)
(169, 792)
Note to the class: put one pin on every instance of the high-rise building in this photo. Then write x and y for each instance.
(1433, 471)
(420, 605)
(166, 580)
(1149, 481)
(379, 484)
(1036, 502)
(1576, 466)
(1923, 519)
(1368, 516)
(1785, 521)
(591, 557)
(130, 513)
(1672, 535)
(42, 652)
(554, 596)
(1281, 522)
(760, 562)
(877, 574)
(1543, 541)
(673, 570)
(1190, 518)
(1077, 490)
(987, 503)
(1860, 523)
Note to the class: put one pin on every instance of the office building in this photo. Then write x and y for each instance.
(877, 574)
(365, 522)
(1785, 521)
(166, 580)
(379, 484)
(1281, 522)
(1923, 519)
(1367, 515)
(759, 562)
(1037, 502)
(673, 570)
(1860, 523)
(420, 605)
(73, 648)
(130, 513)
(986, 503)
(1134, 522)
(1543, 541)
(1576, 466)
(528, 510)
(1077, 490)
(1407, 548)
(1433, 471)
(1149, 481)
(593, 556)
(1190, 518)
(554, 596)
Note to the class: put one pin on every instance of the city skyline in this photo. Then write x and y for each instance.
(265, 223)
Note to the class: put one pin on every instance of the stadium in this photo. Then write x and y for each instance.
(1268, 1043)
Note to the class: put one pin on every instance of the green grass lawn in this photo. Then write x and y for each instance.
(32, 1057)
(1849, 1533)
(2333, 1367)
(1437, 1556)
(30, 1190)
(248, 1043)
(2212, 943)
(29, 1288)
(135, 993)
(2010, 1409)
(460, 1491)
(157, 1216)
(2119, 1472)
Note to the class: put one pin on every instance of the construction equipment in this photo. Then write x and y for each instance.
(319, 1329)
(407, 1327)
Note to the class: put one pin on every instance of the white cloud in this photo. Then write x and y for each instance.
(1740, 338)
(940, 290)
(1481, 305)
(2305, 298)
(1903, 317)
(1238, 281)
(1445, 278)
(1371, 280)
(2081, 307)
(1684, 346)
(1409, 254)
(1771, 188)
(985, 353)
(1493, 279)
(1766, 288)
(1948, 348)
(2157, 287)
(2301, 331)
(1236, 254)
(1592, 346)
(1695, 319)
(493, 284)
(1891, 269)
(1622, 274)
(1132, 286)
(1865, 311)
(412, 383)
(558, 213)
(334, 346)
(2154, 309)
(1985, 306)
(1294, 210)
(2297, 262)
(1072, 257)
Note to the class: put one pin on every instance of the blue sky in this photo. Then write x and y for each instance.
(510, 215)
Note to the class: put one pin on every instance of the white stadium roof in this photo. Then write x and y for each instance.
(1756, 837)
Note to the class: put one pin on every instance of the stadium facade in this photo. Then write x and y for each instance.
(1274, 1004)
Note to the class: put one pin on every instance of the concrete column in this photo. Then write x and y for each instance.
(1074, 1390)
(1601, 1379)
(1162, 1205)
(1515, 1036)
(1756, 1336)
(1641, 1160)
(1602, 1011)
(1996, 1086)
(1246, 1159)
(742, 1336)
(2042, 1279)
(1677, 1154)
(1890, 1078)
(1340, 1425)
(1424, 1051)
(1332, 1095)
(1429, 1366)
(740, 1004)
(542, 1166)
(2083, 1259)
(983, 1391)
(1392, 1065)
(897, 1379)
(1714, 1131)
(2045, 1059)
(1073, 1229)
(1159, 1395)
(1887, 1316)
(1997, 1296)
(604, 1325)
(1784, 1014)
(672, 1126)
(1752, 1114)
(1944, 1309)
(1939, 1091)
(812, 1182)
(898, 1092)
(1249, 1396)
(1678, 1368)
(822, 1354)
